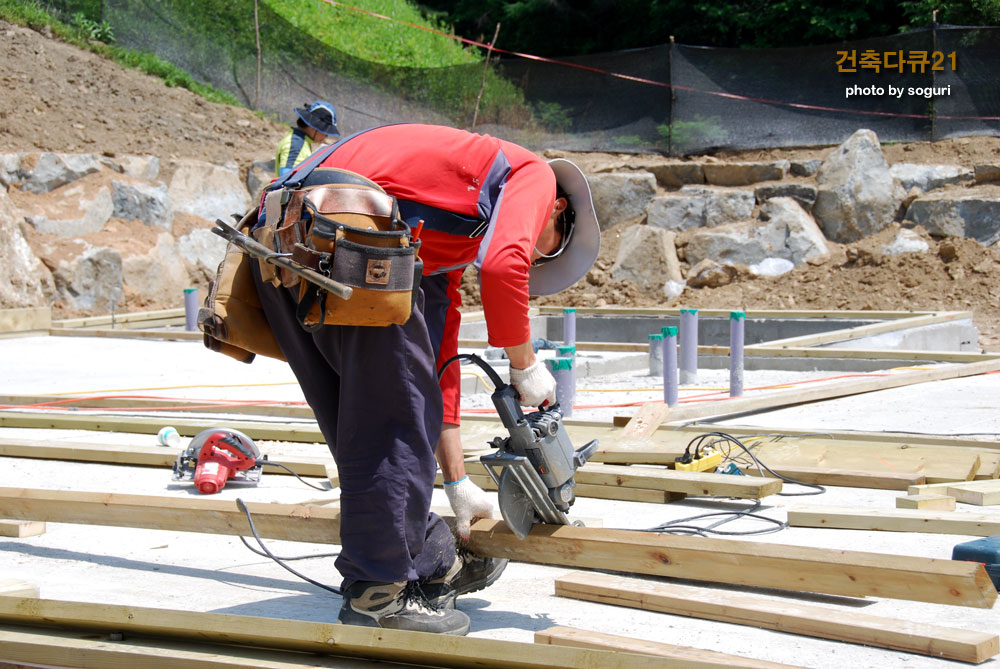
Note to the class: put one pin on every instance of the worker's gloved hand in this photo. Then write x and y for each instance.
(469, 503)
(535, 385)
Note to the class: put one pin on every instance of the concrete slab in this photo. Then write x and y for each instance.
(200, 572)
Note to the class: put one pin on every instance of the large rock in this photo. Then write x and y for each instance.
(647, 257)
(857, 196)
(975, 215)
(10, 169)
(929, 177)
(906, 241)
(159, 275)
(744, 174)
(621, 198)
(700, 206)
(149, 203)
(27, 282)
(208, 191)
(804, 194)
(203, 250)
(48, 171)
(786, 231)
(669, 172)
(92, 280)
(79, 211)
(260, 174)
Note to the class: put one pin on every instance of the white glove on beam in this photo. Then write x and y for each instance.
(535, 385)
(469, 503)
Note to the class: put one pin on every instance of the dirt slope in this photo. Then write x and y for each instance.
(58, 98)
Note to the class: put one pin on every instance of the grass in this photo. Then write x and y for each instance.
(32, 14)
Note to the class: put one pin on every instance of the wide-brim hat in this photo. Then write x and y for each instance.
(320, 116)
(579, 255)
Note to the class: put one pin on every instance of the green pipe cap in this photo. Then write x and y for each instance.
(737, 315)
(559, 363)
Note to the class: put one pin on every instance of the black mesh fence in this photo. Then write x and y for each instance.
(675, 99)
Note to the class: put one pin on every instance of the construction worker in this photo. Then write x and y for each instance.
(375, 390)
(316, 122)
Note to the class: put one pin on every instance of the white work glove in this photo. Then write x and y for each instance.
(535, 385)
(469, 503)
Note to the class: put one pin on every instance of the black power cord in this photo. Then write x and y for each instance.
(281, 561)
(292, 472)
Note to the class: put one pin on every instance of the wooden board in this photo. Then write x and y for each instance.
(21, 528)
(808, 569)
(786, 616)
(312, 637)
(979, 493)
(850, 573)
(35, 648)
(25, 319)
(928, 502)
(591, 491)
(847, 478)
(800, 395)
(143, 456)
(690, 483)
(295, 522)
(647, 419)
(667, 480)
(674, 656)
(896, 520)
(942, 488)
(17, 588)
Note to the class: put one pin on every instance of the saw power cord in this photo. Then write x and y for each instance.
(720, 441)
(281, 561)
(292, 472)
(684, 526)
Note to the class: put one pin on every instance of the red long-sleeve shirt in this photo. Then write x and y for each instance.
(477, 176)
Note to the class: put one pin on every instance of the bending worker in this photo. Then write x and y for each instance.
(316, 122)
(530, 228)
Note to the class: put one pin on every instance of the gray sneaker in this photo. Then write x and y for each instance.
(399, 606)
(469, 573)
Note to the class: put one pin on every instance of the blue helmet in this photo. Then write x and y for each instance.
(320, 116)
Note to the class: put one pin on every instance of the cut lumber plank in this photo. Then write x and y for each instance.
(808, 569)
(128, 333)
(17, 588)
(21, 528)
(295, 522)
(646, 420)
(895, 520)
(690, 658)
(25, 319)
(803, 568)
(131, 317)
(942, 488)
(929, 502)
(44, 649)
(144, 456)
(794, 617)
(667, 480)
(690, 483)
(847, 478)
(389, 645)
(265, 408)
(591, 491)
(979, 493)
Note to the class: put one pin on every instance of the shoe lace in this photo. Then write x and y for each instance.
(413, 596)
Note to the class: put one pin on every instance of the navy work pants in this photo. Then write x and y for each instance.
(376, 397)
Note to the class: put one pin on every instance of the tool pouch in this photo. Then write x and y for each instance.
(349, 229)
(232, 320)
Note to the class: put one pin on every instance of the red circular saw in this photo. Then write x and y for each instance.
(217, 455)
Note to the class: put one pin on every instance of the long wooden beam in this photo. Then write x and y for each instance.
(849, 573)
(896, 520)
(387, 645)
(784, 567)
(786, 616)
(39, 647)
(800, 395)
(294, 522)
(142, 456)
(672, 654)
